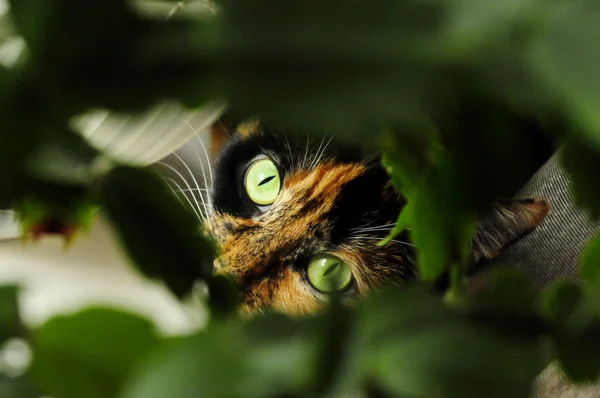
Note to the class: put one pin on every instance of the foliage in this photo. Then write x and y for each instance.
(452, 91)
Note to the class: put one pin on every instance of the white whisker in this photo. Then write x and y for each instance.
(316, 157)
(169, 179)
(193, 179)
(365, 228)
(306, 152)
(193, 190)
(186, 183)
(289, 147)
(202, 165)
(378, 239)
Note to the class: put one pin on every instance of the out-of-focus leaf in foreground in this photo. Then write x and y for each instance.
(205, 364)
(16, 387)
(423, 349)
(89, 354)
(565, 55)
(407, 342)
(163, 238)
(10, 321)
(582, 160)
(590, 262)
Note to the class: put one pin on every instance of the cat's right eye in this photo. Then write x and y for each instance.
(328, 274)
(262, 182)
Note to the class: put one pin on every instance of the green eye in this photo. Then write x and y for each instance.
(262, 182)
(328, 274)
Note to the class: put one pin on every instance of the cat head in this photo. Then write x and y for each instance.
(298, 217)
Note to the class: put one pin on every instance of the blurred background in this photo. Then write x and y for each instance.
(95, 270)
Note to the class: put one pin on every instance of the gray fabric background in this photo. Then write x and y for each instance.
(553, 249)
(550, 252)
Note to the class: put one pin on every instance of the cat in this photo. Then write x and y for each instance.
(298, 217)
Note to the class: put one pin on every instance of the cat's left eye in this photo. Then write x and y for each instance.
(328, 274)
(262, 182)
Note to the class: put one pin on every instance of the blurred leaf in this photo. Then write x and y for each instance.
(284, 356)
(369, 63)
(559, 302)
(582, 161)
(475, 24)
(506, 290)
(454, 360)
(55, 210)
(89, 354)
(418, 347)
(589, 267)
(208, 364)
(162, 237)
(579, 354)
(10, 321)
(64, 158)
(565, 57)
(103, 55)
(334, 347)
(224, 297)
(16, 387)
(418, 163)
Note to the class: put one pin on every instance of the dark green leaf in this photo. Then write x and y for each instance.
(89, 354)
(579, 354)
(102, 54)
(589, 268)
(582, 161)
(204, 365)
(559, 301)
(565, 56)
(10, 321)
(454, 360)
(16, 387)
(369, 63)
(161, 236)
(284, 356)
(64, 158)
(224, 297)
(418, 347)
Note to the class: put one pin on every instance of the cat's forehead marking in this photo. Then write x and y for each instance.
(248, 128)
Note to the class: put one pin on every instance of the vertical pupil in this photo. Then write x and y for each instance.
(332, 268)
(263, 182)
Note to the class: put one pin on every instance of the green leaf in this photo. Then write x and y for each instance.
(208, 364)
(103, 55)
(284, 356)
(55, 209)
(16, 387)
(162, 237)
(64, 158)
(89, 354)
(565, 57)
(10, 321)
(589, 268)
(453, 360)
(370, 63)
(579, 354)
(416, 346)
(560, 301)
(582, 162)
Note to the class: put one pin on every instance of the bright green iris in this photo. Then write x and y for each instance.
(262, 182)
(328, 274)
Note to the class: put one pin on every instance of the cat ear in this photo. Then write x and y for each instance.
(221, 131)
(507, 222)
(226, 127)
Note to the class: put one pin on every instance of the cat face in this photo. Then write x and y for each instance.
(299, 217)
